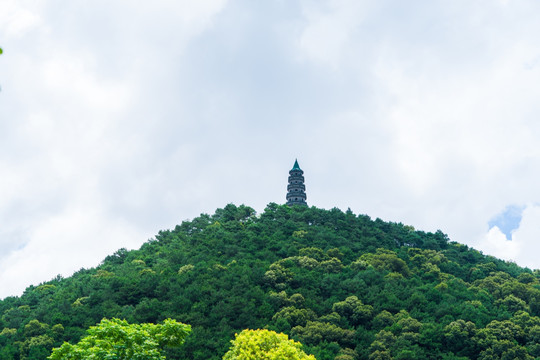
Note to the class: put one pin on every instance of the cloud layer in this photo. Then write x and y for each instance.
(121, 119)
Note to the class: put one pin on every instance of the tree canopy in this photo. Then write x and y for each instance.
(117, 339)
(265, 345)
(344, 285)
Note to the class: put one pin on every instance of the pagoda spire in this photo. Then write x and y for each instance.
(296, 190)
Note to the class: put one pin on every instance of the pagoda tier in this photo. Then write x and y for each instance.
(296, 190)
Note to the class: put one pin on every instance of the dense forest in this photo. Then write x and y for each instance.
(344, 285)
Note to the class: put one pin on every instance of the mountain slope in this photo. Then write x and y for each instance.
(344, 285)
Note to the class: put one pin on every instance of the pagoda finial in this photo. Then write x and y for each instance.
(296, 166)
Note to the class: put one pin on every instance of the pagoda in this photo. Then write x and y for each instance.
(296, 190)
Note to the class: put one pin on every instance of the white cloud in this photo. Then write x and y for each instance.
(329, 28)
(118, 119)
(77, 159)
(495, 243)
(18, 17)
(524, 246)
(63, 243)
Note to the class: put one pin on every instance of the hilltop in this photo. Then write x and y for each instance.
(346, 286)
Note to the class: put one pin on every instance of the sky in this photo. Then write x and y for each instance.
(119, 119)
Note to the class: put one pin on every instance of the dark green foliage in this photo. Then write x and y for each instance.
(344, 285)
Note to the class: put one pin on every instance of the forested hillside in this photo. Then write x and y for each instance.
(346, 286)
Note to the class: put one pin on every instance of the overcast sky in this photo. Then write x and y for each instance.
(122, 118)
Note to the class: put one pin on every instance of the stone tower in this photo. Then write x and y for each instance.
(296, 190)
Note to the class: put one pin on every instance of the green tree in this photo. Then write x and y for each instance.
(119, 340)
(265, 345)
(385, 259)
(295, 316)
(35, 328)
(353, 309)
(315, 331)
(311, 273)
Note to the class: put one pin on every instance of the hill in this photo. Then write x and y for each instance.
(346, 286)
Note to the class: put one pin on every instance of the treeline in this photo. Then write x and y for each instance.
(346, 286)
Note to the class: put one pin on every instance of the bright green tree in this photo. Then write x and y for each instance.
(265, 345)
(119, 340)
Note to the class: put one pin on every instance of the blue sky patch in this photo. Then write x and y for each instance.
(508, 220)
